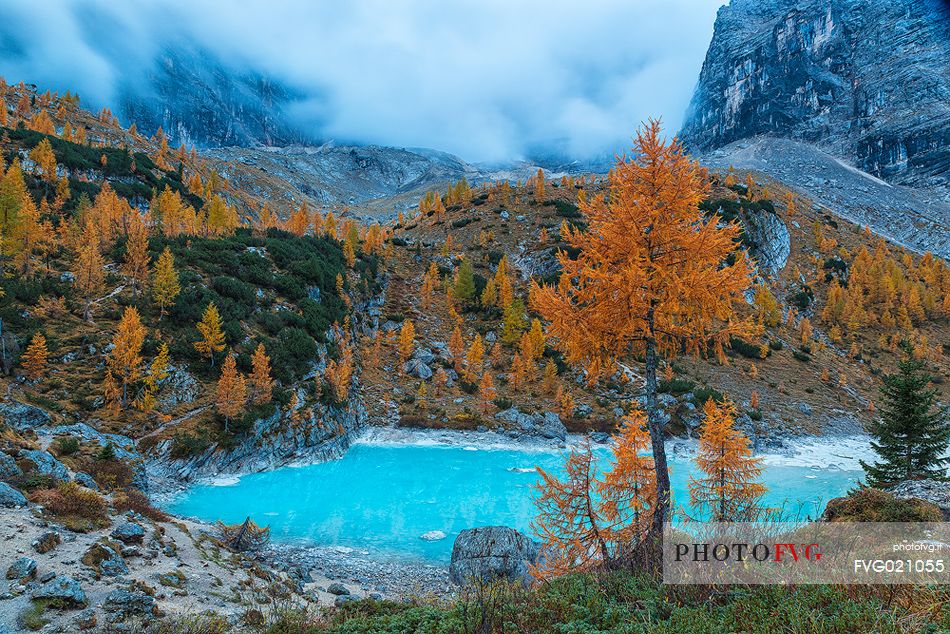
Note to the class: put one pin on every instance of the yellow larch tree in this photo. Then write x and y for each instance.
(165, 284)
(727, 489)
(653, 277)
(212, 337)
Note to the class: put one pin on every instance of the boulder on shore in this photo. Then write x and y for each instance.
(488, 553)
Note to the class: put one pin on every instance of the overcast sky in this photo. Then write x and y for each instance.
(485, 79)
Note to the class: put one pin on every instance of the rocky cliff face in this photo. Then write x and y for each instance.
(199, 101)
(867, 80)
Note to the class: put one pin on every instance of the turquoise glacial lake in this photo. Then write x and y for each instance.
(381, 498)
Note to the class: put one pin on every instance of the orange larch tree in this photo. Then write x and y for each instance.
(125, 359)
(474, 360)
(653, 277)
(262, 384)
(486, 392)
(231, 395)
(136, 260)
(407, 340)
(34, 359)
(728, 490)
(587, 520)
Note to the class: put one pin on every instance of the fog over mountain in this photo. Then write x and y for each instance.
(486, 80)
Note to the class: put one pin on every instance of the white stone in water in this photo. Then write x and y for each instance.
(432, 536)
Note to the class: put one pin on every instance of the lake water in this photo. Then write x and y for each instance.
(382, 497)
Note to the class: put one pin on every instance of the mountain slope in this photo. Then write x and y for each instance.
(868, 81)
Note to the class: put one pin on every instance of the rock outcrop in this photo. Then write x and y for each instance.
(272, 442)
(867, 80)
(493, 552)
(936, 493)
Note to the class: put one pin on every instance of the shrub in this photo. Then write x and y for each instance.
(66, 445)
(703, 394)
(502, 403)
(776, 344)
(746, 349)
(185, 445)
(675, 386)
(78, 508)
(874, 505)
(566, 209)
(801, 356)
(110, 473)
(803, 298)
(134, 500)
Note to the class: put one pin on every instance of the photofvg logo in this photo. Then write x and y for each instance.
(797, 553)
(740, 552)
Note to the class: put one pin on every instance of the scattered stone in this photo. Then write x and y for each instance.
(47, 541)
(375, 596)
(130, 602)
(22, 570)
(49, 575)
(338, 589)
(432, 536)
(10, 497)
(86, 620)
(105, 560)
(63, 591)
(599, 437)
(804, 408)
(174, 579)
(492, 552)
(129, 533)
(340, 600)
(583, 411)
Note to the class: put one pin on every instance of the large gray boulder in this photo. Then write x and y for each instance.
(488, 553)
(46, 464)
(129, 602)
(937, 493)
(22, 570)
(10, 497)
(21, 416)
(63, 591)
(418, 369)
(547, 425)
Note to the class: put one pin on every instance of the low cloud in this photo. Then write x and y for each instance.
(486, 79)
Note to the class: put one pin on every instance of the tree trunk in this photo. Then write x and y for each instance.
(656, 439)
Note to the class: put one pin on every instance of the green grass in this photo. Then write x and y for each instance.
(626, 603)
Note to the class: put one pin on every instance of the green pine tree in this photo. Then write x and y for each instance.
(912, 434)
(465, 282)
